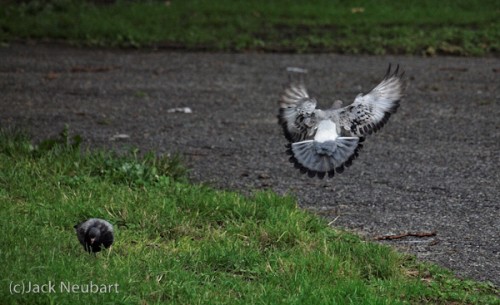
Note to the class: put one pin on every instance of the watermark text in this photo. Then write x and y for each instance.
(29, 287)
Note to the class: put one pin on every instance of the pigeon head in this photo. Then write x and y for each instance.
(93, 236)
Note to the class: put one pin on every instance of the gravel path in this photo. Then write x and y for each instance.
(433, 167)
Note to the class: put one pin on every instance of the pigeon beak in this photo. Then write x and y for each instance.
(92, 241)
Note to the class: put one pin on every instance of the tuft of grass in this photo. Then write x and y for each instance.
(178, 243)
(456, 27)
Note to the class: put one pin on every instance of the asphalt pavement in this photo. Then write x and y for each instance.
(432, 171)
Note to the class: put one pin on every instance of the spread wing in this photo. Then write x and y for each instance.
(297, 110)
(368, 113)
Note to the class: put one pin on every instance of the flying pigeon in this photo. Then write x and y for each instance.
(323, 142)
(93, 233)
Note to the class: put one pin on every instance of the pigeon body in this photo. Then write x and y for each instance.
(94, 233)
(323, 142)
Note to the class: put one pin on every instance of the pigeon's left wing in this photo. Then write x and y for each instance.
(297, 109)
(107, 236)
(368, 113)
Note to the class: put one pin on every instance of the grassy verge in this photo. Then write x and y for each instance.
(178, 243)
(457, 27)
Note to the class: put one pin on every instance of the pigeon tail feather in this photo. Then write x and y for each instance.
(320, 158)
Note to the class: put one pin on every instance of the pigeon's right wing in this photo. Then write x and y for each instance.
(80, 232)
(297, 108)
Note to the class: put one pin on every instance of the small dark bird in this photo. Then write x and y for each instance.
(93, 233)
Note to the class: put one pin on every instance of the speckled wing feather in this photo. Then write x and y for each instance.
(297, 108)
(368, 113)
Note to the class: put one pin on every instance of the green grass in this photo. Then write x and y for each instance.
(458, 27)
(178, 243)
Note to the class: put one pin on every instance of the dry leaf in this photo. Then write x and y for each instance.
(356, 10)
(51, 75)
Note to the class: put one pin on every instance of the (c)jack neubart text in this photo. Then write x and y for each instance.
(27, 287)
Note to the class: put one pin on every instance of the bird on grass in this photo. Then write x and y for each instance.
(94, 233)
(324, 142)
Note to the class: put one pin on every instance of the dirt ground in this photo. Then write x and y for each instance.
(433, 168)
